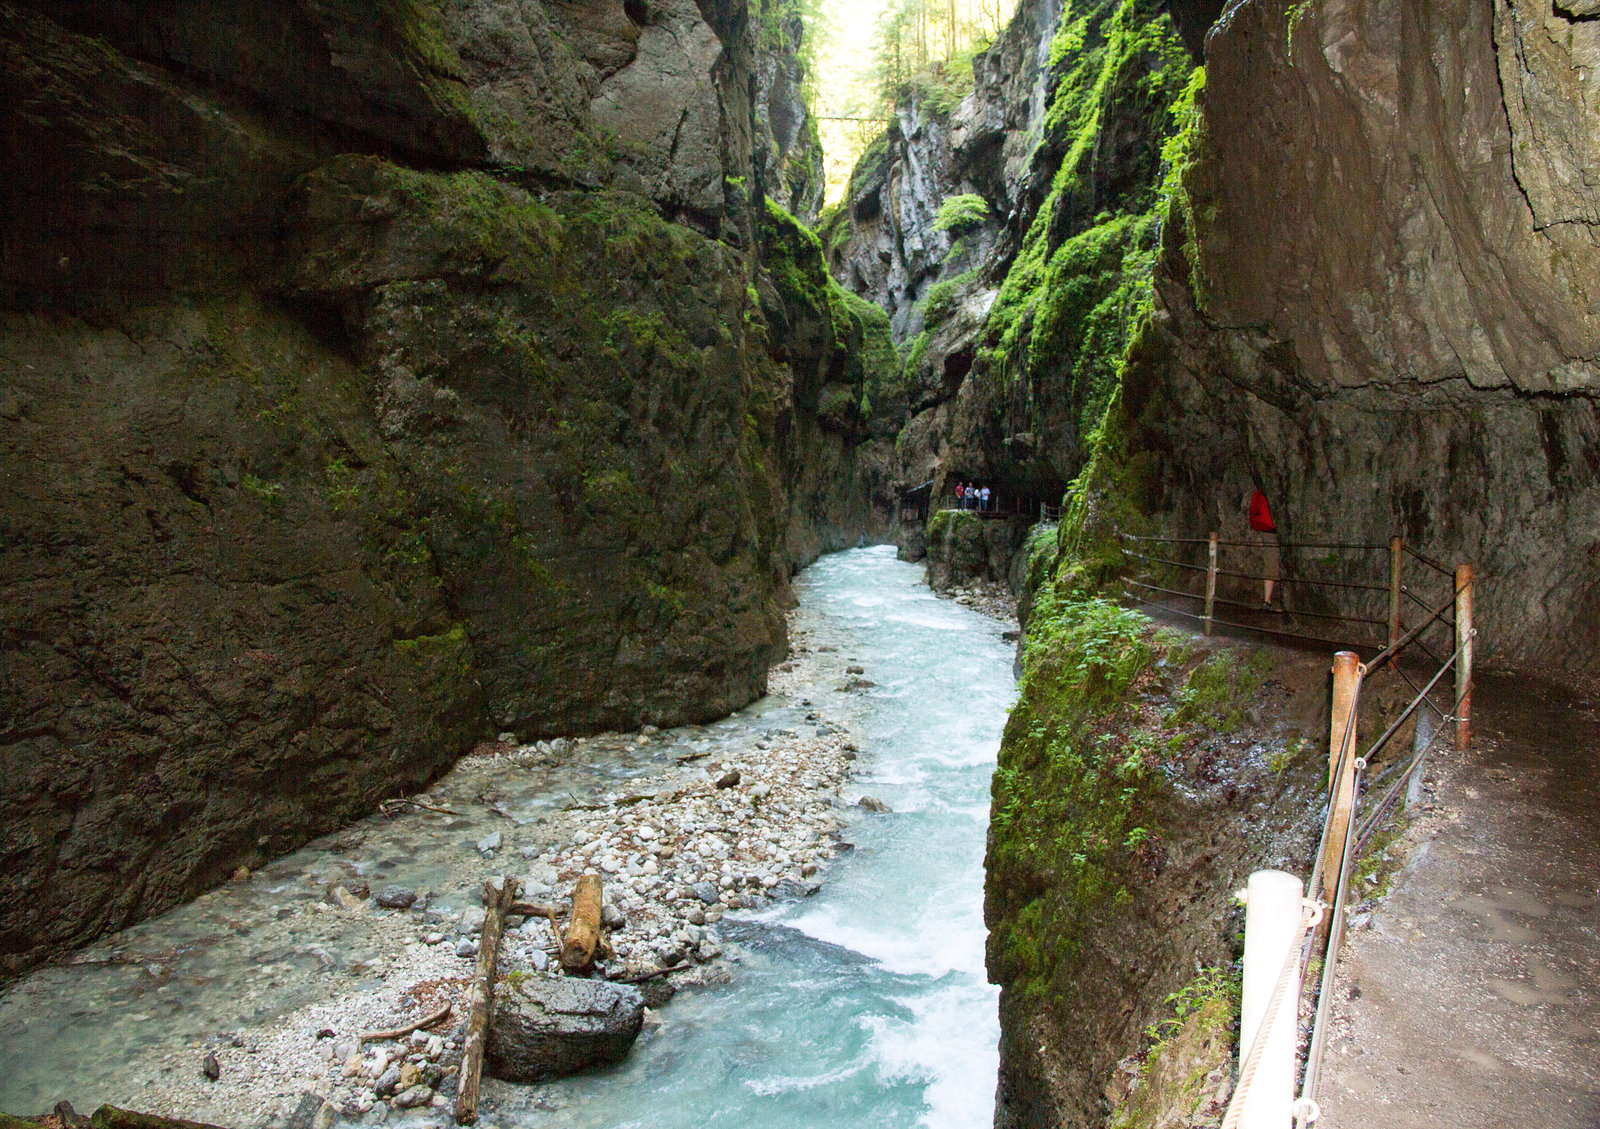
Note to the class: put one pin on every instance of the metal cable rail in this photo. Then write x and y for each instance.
(1306, 1108)
(1364, 546)
(1301, 581)
(1235, 625)
(1257, 607)
(1356, 835)
(1429, 561)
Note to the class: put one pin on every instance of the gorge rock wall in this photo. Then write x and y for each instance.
(1386, 312)
(1354, 263)
(1013, 324)
(374, 377)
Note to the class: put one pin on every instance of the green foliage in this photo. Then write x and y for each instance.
(961, 214)
(939, 303)
(269, 492)
(862, 342)
(1211, 985)
(1069, 306)
(914, 351)
(1182, 155)
(1067, 797)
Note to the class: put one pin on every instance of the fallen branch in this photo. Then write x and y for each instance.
(532, 909)
(644, 977)
(392, 807)
(694, 757)
(498, 897)
(402, 1032)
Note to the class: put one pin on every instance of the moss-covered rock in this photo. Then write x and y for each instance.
(346, 460)
(1121, 821)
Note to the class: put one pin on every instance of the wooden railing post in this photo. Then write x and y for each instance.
(1394, 592)
(1341, 785)
(1211, 582)
(1464, 663)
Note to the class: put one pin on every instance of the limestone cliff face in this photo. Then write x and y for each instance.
(1387, 309)
(374, 376)
(1354, 263)
(1013, 325)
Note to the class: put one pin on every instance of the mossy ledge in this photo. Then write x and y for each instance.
(1143, 773)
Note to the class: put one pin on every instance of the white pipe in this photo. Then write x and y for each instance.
(1271, 929)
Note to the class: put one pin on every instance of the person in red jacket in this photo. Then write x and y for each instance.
(1262, 524)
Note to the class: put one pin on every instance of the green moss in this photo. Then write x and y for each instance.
(486, 216)
(1079, 285)
(915, 350)
(1082, 780)
(862, 347)
(110, 1117)
(269, 492)
(1186, 155)
(1216, 690)
(422, 27)
(451, 647)
(939, 303)
(961, 213)
(1375, 870)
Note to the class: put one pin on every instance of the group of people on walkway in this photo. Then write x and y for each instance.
(971, 496)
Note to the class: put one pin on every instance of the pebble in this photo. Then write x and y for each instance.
(690, 851)
(412, 1098)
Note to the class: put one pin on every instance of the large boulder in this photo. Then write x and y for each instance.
(547, 1027)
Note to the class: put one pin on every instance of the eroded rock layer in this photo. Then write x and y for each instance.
(377, 375)
(1387, 310)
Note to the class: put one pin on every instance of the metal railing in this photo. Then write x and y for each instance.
(1353, 584)
(1269, 1033)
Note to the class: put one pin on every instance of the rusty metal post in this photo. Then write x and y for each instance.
(1341, 747)
(1394, 594)
(1211, 582)
(1464, 663)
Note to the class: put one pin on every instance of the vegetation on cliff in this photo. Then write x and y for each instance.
(1080, 281)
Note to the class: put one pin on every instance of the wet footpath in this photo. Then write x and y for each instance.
(1468, 996)
(809, 868)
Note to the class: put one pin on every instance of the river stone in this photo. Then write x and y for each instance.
(490, 842)
(546, 1028)
(706, 892)
(396, 897)
(418, 1095)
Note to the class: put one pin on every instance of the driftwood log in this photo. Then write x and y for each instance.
(583, 927)
(402, 1032)
(498, 897)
